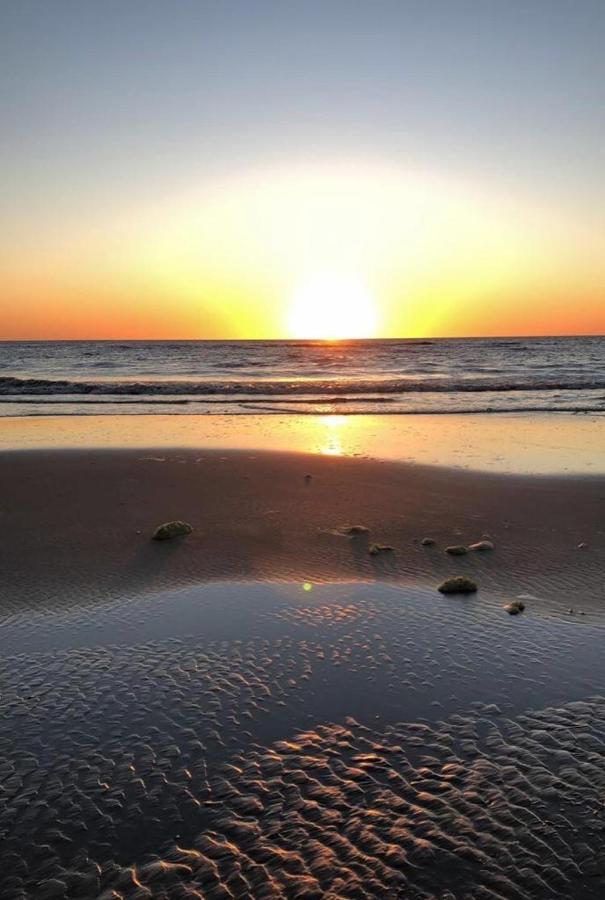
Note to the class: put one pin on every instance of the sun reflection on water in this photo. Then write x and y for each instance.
(331, 442)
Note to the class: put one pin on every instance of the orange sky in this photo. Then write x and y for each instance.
(364, 250)
(270, 169)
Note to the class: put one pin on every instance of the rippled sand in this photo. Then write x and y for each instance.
(336, 740)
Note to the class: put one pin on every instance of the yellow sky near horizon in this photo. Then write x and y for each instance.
(340, 250)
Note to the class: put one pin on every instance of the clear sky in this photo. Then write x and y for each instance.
(250, 168)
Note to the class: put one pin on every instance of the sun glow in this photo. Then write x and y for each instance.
(326, 252)
(332, 306)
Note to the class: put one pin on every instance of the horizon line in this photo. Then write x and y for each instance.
(290, 340)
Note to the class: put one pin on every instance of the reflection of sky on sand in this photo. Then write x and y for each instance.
(547, 444)
(401, 629)
(350, 722)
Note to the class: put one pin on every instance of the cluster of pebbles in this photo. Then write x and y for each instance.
(332, 742)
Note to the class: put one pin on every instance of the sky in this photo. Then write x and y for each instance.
(328, 169)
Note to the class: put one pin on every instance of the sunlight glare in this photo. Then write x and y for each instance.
(332, 306)
(331, 445)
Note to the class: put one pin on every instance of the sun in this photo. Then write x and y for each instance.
(332, 306)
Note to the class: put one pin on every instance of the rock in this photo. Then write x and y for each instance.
(459, 584)
(582, 546)
(171, 529)
(355, 529)
(515, 607)
(457, 550)
(376, 549)
(428, 542)
(482, 545)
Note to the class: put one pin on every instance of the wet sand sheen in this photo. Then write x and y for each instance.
(254, 740)
(549, 443)
(366, 738)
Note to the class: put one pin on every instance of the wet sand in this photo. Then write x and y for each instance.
(76, 525)
(263, 709)
(514, 443)
(354, 740)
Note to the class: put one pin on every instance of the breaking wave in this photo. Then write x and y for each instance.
(13, 386)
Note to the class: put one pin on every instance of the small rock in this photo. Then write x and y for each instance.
(171, 529)
(571, 612)
(515, 607)
(376, 549)
(356, 529)
(457, 550)
(459, 584)
(482, 545)
(582, 546)
(428, 542)
(307, 479)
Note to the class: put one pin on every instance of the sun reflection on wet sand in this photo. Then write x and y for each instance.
(333, 446)
(543, 444)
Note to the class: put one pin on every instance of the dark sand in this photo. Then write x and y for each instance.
(76, 525)
(307, 739)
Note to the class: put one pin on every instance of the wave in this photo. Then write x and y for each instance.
(111, 400)
(255, 407)
(330, 388)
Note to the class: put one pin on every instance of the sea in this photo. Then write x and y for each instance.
(486, 375)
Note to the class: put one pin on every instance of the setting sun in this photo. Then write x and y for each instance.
(332, 306)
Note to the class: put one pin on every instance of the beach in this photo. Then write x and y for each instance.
(264, 707)
(302, 451)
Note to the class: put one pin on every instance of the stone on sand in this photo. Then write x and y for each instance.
(456, 550)
(515, 607)
(428, 542)
(171, 530)
(482, 545)
(459, 584)
(355, 529)
(377, 549)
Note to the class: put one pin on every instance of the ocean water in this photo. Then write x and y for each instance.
(230, 377)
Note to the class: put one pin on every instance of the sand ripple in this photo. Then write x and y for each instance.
(256, 741)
